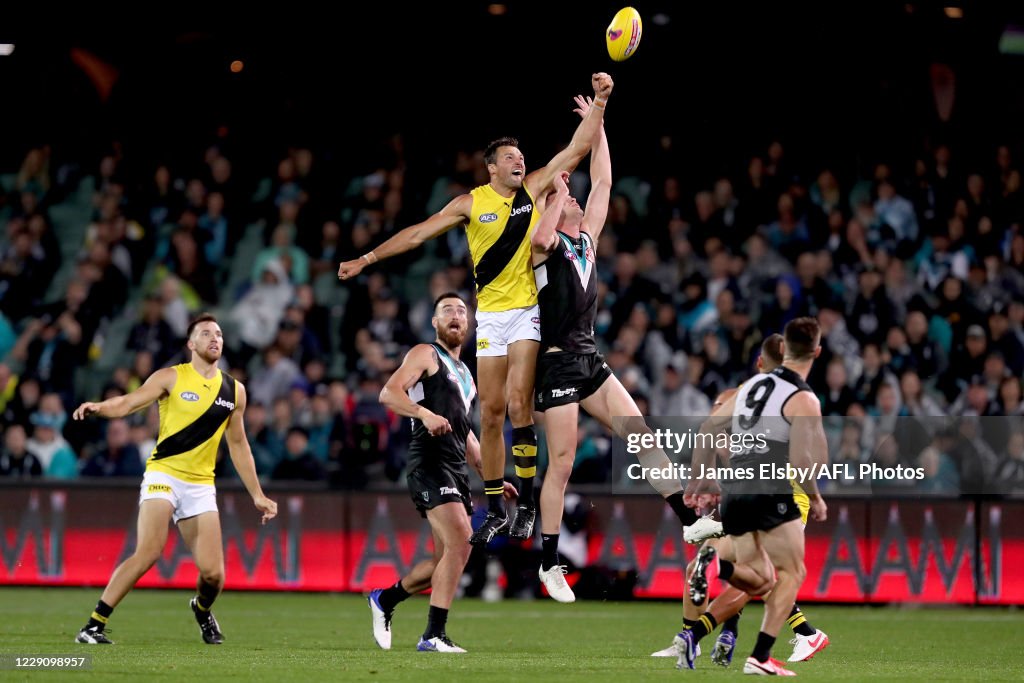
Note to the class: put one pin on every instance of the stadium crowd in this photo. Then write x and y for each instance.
(915, 271)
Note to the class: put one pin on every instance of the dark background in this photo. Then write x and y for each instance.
(838, 82)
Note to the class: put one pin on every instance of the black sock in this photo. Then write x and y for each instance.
(100, 615)
(524, 455)
(495, 491)
(725, 569)
(763, 648)
(705, 625)
(798, 622)
(437, 618)
(686, 515)
(733, 623)
(549, 543)
(206, 593)
(389, 597)
(688, 624)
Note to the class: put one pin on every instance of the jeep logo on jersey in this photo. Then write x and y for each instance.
(487, 217)
(522, 209)
(226, 404)
(190, 396)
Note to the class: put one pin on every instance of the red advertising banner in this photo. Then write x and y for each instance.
(868, 551)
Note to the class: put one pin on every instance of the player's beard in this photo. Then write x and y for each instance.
(208, 357)
(451, 338)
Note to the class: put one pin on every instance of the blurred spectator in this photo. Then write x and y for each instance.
(258, 313)
(15, 459)
(47, 444)
(675, 396)
(1009, 472)
(838, 396)
(273, 380)
(152, 333)
(940, 473)
(298, 463)
(118, 458)
(283, 250)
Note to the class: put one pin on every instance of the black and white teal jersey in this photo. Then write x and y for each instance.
(449, 392)
(567, 293)
(758, 411)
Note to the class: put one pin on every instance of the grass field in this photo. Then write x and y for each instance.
(303, 637)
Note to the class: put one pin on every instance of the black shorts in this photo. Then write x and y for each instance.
(433, 486)
(564, 377)
(757, 512)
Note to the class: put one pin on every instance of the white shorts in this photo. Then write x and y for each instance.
(495, 330)
(188, 499)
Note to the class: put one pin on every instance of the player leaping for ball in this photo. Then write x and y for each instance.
(499, 218)
(570, 370)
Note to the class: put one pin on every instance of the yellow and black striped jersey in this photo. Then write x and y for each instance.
(193, 417)
(499, 242)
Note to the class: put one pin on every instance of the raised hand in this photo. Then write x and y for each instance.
(583, 105)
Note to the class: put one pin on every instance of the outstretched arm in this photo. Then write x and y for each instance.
(600, 177)
(457, 211)
(241, 458)
(158, 384)
(422, 359)
(544, 239)
(540, 181)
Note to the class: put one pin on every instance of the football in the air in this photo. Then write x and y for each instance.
(623, 34)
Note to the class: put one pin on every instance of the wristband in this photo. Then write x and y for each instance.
(370, 257)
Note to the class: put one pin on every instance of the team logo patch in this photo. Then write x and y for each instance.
(482, 344)
(426, 496)
(190, 396)
(487, 217)
(782, 508)
(453, 378)
(535, 321)
(158, 488)
(569, 255)
(589, 255)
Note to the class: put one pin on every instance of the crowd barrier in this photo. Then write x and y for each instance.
(965, 551)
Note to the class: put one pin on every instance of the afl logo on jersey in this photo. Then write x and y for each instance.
(190, 396)
(487, 217)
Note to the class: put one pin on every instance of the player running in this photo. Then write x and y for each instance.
(727, 607)
(766, 529)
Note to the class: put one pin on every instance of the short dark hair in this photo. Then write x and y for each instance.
(491, 153)
(802, 336)
(202, 318)
(771, 348)
(448, 295)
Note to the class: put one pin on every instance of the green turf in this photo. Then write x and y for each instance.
(302, 637)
